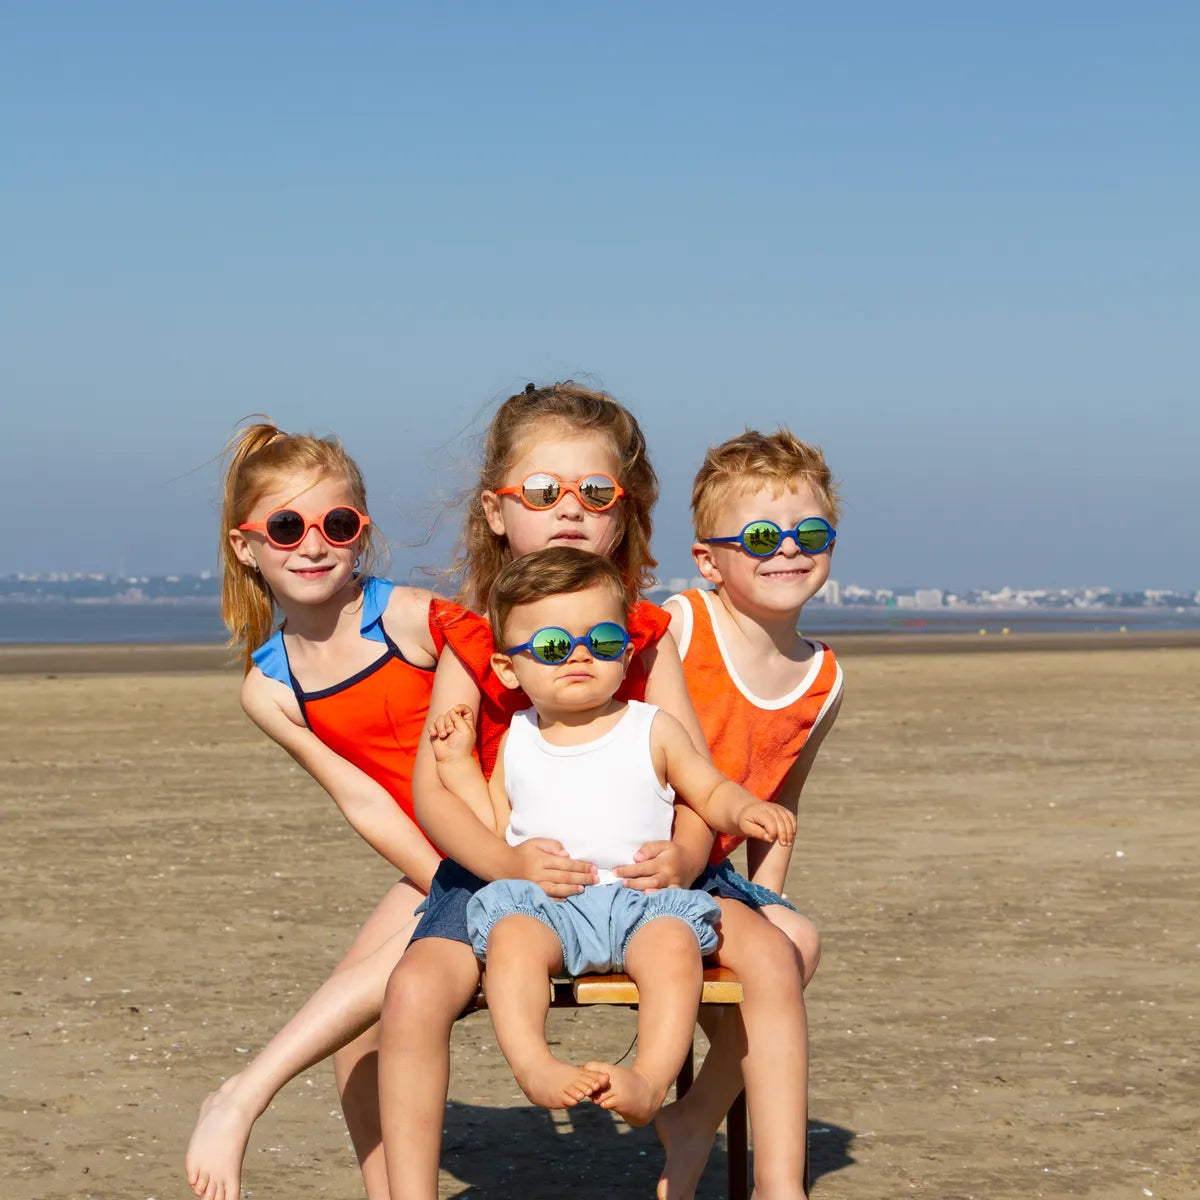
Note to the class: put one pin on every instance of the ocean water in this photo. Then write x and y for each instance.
(200, 623)
(65, 623)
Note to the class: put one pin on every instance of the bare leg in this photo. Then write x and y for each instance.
(663, 958)
(356, 1065)
(765, 1042)
(802, 933)
(433, 983)
(522, 954)
(341, 1008)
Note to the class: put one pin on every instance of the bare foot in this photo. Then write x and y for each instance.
(556, 1084)
(687, 1154)
(218, 1143)
(629, 1094)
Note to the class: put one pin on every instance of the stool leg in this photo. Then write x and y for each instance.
(738, 1149)
(687, 1073)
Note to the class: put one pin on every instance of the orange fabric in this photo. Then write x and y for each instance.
(376, 721)
(470, 637)
(752, 745)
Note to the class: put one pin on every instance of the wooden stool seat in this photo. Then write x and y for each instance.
(721, 987)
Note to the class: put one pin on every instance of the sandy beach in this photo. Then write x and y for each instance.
(1000, 850)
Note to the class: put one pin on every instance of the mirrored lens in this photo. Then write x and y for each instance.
(607, 640)
(813, 534)
(341, 525)
(761, 538)
(551, 645)
(597, 491)
(285, 528)
(540, 491)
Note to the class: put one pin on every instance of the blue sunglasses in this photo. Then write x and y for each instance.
(553, 645)
(764, 538)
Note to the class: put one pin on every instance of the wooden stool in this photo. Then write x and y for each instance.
(720, 987)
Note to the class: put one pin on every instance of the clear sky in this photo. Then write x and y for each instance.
(955, 244)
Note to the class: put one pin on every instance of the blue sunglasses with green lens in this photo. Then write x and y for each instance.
(552, 645)
(764, 538)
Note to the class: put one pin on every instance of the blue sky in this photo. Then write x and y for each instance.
(956, 245)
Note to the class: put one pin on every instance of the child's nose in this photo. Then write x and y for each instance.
(312, 543)
(580, 652)
(569, 507)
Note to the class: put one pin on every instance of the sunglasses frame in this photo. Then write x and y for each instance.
(584, 640)
(564, 487)
(794, 533)
(310, 522)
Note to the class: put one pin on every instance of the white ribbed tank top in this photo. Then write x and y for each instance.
(601, 799)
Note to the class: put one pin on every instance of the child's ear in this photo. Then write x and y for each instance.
(705, 563)
(241, 549)
(503, 667)
(491, 512)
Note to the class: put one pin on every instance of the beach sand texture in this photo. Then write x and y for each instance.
(1000, 850)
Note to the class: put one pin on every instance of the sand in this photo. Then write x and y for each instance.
(999, 848)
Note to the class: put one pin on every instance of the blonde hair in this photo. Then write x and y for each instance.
(257, 459)
(556, 571)
(524, 417)
(752, 460)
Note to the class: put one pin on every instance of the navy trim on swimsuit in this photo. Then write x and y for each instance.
(272, 657)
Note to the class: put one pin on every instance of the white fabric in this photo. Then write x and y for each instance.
(602, 800)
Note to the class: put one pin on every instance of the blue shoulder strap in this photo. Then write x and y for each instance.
(271, 659)
(376, 594)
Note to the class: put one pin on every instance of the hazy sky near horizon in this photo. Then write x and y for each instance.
(956, 245)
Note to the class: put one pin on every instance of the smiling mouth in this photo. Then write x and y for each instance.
(302, 571)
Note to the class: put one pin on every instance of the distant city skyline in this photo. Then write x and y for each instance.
(835, 592)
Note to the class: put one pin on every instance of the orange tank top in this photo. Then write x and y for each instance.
(753, 741)
(470, 637)
(375, 719)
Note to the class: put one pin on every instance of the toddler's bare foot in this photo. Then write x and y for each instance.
(218, 1143)
(687, 1152)
(556, 1084)
(629, 1094)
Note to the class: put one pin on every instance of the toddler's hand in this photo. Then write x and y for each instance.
(656, 865)
(544, 861)
(452, 734)
(768, 822)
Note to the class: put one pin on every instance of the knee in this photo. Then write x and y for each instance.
(806, 939)
(414, 998)
(776, 968)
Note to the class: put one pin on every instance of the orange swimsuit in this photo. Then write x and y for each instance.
(374, 719)
(753, 741)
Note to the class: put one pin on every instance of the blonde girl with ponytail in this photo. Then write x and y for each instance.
(339, 669)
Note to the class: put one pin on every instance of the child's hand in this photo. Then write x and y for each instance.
(768, 822)
(545, 862)
(655, 866)
(453, 734)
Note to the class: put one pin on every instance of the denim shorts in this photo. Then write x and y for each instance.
(595, 926)
(722, 880)
(444, 910)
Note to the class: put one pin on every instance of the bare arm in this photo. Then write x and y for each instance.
(675, 863)
(367, 806)
(462, 825)
(723, 804)
(768, 865)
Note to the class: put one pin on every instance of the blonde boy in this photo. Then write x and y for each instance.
(765, 509)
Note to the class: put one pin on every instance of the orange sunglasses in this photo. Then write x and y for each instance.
(286, 528)
(541, 490)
